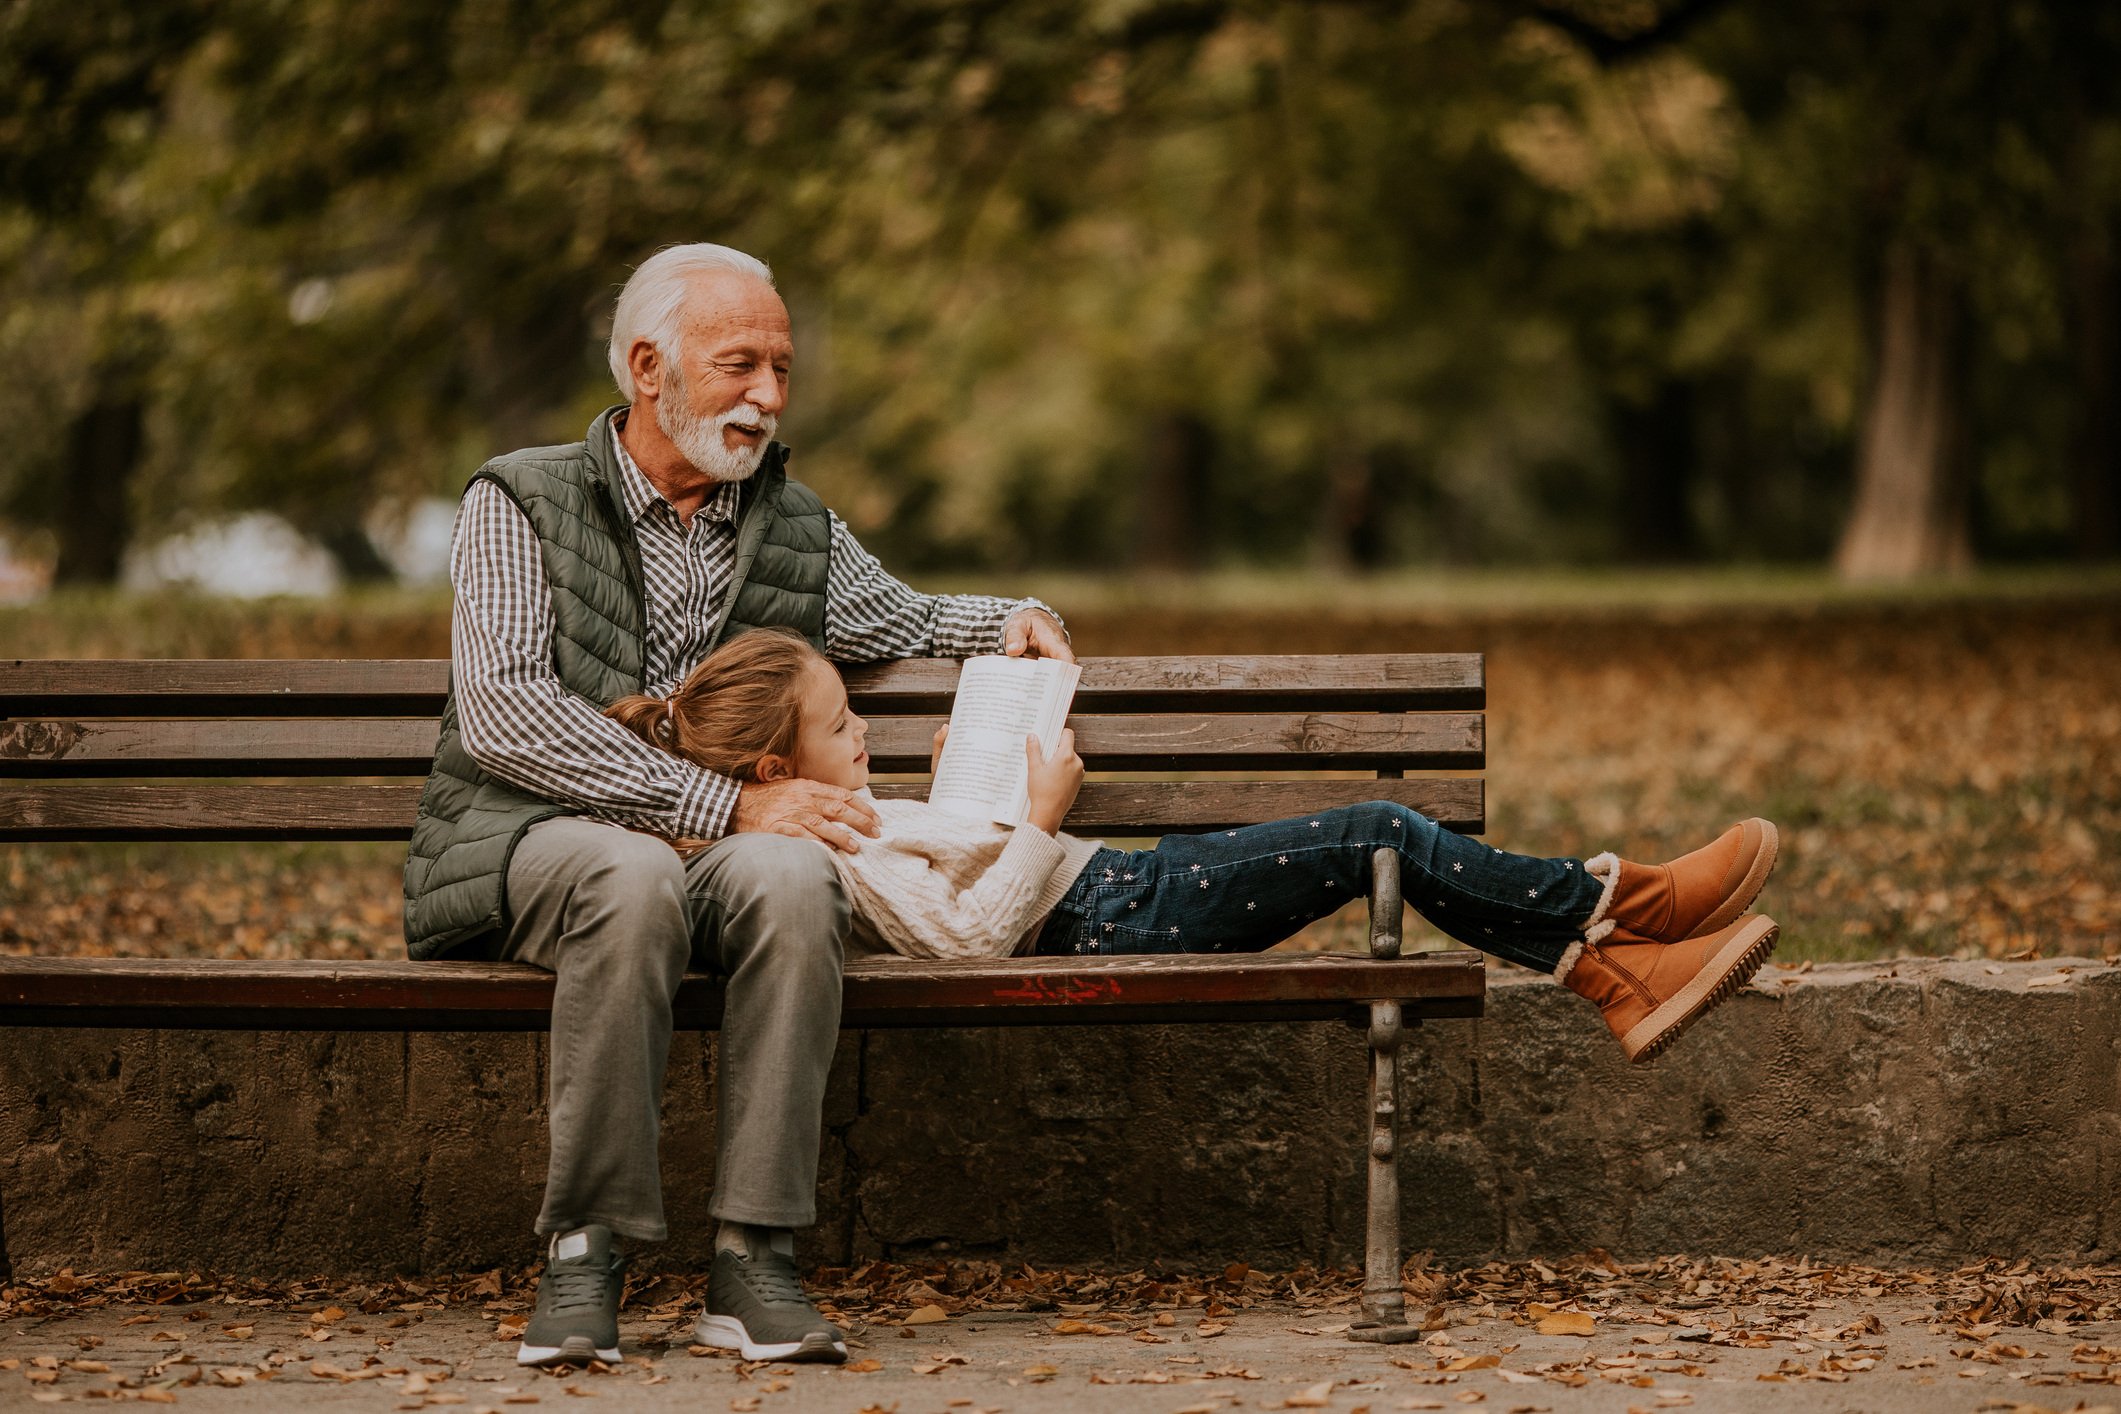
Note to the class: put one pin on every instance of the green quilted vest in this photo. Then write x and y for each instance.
(470, 820)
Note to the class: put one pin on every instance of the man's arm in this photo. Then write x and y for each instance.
(871, 615)
(520, 723)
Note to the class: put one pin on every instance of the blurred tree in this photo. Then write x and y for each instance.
(83, 92)
(1164, 282)
(1910, 152)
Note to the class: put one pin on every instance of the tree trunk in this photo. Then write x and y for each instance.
(2095, 470)
(1354, 536)
(357, 557)
(1911, 515)
(104, 447)
(1174, 493)
(1658, 453)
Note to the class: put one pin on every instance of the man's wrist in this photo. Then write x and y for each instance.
(1035, 606)
(706, 806)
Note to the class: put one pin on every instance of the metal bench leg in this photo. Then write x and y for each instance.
(1384, 1304)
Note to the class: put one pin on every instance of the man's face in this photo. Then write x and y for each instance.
(722, 397)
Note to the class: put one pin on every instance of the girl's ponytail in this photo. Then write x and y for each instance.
(742, 703)
(648, 718)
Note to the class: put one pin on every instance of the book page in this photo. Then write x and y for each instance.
(999, 702)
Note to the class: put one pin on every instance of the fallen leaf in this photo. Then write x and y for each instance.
(926, 1316)
(1567, 1323)
(1318, 1396)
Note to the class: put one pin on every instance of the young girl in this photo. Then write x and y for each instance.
(1654, 946)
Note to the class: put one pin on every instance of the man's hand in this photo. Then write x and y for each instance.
(1034, 633)
(806, 810)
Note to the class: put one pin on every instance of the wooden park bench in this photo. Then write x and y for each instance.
(277, 750)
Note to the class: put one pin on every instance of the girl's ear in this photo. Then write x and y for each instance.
(773, 768)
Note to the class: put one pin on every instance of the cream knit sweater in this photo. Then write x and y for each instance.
(939, 885)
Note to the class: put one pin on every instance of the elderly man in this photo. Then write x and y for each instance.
(610, 566)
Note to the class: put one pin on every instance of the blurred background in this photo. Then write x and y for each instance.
(1741, 377)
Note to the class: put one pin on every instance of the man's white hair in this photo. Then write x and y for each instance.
(652, 306)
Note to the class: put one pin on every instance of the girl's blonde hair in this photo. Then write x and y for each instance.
(742, 704)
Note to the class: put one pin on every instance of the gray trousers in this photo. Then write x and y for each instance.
(616, 915)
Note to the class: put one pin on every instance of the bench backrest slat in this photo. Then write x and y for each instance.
(385, 812)
(415, 686)
(387, 746)
(71, 731)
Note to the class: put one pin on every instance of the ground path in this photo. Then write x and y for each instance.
(1655, 1336)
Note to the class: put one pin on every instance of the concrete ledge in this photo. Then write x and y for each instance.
(1918, 1111)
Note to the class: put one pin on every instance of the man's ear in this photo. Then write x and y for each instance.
(645, 362)
(773, 768)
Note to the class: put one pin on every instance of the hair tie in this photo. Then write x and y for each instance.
(666, 726)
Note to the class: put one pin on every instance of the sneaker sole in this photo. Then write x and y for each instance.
(728, 1333)
(1731, 968)
(575, 1350)
(1756, 877)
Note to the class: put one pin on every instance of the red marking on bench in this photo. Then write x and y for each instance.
(1067, 989)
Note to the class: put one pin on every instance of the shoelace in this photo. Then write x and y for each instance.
(772, 1280)
(574, 1288)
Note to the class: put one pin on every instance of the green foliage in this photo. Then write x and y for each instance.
(1156, 281)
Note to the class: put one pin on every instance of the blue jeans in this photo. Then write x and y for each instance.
(1245, 890)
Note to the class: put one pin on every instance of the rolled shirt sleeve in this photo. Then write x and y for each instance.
(521, 723)
(871, 615)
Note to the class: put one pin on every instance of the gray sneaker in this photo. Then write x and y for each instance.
(756, 1306)
(578, 1302)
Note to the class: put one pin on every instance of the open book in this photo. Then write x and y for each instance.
(1000, 701)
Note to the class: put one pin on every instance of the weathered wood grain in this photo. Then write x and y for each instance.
(385, 746)
(73, 811)
(415, 687)
(196, 993)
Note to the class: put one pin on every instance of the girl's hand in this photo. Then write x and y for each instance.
(935, 753)
(1052, 781)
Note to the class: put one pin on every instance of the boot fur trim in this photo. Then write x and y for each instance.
(1568, 961)
(1606, 869)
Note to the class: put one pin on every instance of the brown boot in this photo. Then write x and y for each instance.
(1694, 894)
(1650, 992)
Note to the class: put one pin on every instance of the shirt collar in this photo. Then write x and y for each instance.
(641, 497)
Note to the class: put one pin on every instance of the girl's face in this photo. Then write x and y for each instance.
(828, 747)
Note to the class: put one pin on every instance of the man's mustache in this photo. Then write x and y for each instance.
(749, 418)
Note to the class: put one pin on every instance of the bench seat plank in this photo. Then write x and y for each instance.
(218, 993)
(411, 687)
(388, 746)
(385, 812)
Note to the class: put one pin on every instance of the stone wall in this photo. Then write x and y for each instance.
(1922, 1111)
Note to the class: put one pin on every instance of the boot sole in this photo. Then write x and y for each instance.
(575, 1350)
(728, 1333)
(1731, 968)
(1756, 877)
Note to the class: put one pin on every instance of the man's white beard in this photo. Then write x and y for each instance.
(699, 439)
